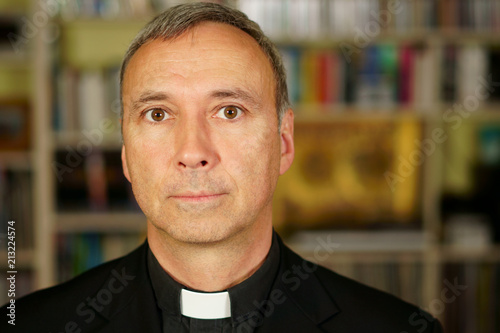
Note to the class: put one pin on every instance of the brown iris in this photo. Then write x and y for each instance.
(157, 115)
(230, 112)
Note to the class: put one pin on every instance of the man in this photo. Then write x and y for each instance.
(207, 131)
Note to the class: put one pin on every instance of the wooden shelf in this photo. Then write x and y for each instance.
(101, 222)
(488, 114)
(97, 43)
(333, 113)
(429, 36)
(16, 160)
(432, 255)
(489, 254)
(439, 35)
(12, 58)
(352, 242)
(109, 142)
(91, 22)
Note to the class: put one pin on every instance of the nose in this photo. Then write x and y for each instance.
(194, 146)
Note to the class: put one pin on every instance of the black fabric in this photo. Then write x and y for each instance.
(118, 297)
(245, 297)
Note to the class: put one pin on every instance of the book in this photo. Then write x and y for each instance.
(85, 98)
(16, 204)
(78, 253)
(91, 99)
(93, 182)
(338, 179)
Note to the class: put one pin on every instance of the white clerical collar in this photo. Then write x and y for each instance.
(205, 305)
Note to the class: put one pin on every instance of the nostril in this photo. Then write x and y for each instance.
(203, 163)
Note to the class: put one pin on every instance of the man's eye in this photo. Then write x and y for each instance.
(156, 115)
(229, 112)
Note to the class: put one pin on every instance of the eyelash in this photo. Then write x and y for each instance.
(240, 109)
(148, 112)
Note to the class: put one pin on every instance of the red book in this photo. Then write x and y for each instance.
(323, 77)
(405, 75)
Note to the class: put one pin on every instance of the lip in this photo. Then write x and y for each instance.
(197, 197)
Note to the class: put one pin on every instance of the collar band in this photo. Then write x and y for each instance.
(205, 305)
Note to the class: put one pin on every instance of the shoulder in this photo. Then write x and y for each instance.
(362, 308)
(372, 308)
(62, 303)
(71, 290)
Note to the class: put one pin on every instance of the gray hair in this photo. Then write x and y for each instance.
(178, 19)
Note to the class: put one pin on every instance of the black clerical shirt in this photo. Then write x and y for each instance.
(246, 298)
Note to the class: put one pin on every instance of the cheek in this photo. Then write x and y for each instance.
(254, 162)
(146, 160)
(147, 171)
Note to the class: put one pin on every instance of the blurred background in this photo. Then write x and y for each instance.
(397, 171)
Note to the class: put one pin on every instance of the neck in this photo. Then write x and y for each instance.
(215, 266)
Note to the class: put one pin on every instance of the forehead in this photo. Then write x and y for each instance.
(207, 52)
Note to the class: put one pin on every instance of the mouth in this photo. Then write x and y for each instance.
(197, 197)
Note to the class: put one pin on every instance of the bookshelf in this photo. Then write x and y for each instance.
(17, 174)
(441, 41)
(102, 222)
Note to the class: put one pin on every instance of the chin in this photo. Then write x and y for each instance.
(197, 232)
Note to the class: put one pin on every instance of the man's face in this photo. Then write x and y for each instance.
(201, 142)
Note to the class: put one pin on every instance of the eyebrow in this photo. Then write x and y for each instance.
(236, 93)
(149, 96)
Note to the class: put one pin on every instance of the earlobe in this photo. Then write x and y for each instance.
(287, 145)
(124, 163)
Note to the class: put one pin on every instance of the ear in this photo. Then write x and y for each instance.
(124, 163)
(287, 145)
